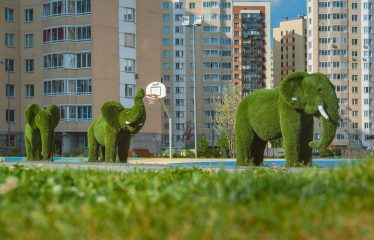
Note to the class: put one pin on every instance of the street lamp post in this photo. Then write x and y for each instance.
(6, 64)
(193, 21)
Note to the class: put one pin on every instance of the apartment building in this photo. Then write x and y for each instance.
(213, 54)
(251, 45)
(218, 51)
(290, 50)
(76, 54)
(340, 44)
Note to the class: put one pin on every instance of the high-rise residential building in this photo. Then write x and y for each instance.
(220, 47)
(213, 54)
(340, 45)
(290, 49)
(76, 54)
(251, 44)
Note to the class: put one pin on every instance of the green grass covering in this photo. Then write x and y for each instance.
(111, 132)
(187, 204)
(286, 111)
(39, 131)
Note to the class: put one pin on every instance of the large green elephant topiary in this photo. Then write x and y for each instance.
(111, 132)
(287, 111)
(39, 131)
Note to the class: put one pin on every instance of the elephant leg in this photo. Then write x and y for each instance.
(29, 154)
(290, 122)
(102, 157)
(244, 140)
(93, 146)
(258, 148)
(306, 137)
(36, 146)
(110, 146)
(123, 146)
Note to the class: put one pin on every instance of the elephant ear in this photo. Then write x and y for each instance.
(291, 90)
(110, 112)
(55, 112)
(31, 112)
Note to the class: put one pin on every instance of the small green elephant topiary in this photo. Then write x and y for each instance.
(287, 111)
(111, 132)
(39, 131)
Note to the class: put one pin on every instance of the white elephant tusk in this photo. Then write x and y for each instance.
(323, 112)
(127, 122)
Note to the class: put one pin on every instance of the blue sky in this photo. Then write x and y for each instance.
(286, 8)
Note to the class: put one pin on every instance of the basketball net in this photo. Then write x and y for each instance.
(151, 98)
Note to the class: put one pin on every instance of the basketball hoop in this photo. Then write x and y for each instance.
(152, 98)
(155, 91)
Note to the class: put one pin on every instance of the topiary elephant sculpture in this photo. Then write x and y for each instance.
(111, 132)
(287, 111)
(39, 131)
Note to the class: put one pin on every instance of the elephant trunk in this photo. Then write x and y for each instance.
(329, 117)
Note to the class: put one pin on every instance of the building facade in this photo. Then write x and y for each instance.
(218, 52)
(251, 45)
(340, 45)
(213, 54)
(76, 54)
(290, 50)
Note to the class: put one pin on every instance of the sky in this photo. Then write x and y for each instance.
(286, 8)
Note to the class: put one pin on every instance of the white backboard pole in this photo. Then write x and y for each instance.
(157, 91)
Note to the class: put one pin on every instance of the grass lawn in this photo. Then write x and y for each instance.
(179, 203)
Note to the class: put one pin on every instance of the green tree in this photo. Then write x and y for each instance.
(203, 147)
(223, 144)
(225, 108)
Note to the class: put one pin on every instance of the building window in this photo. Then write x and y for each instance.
(166, 17)
(10, 115)
(192, 5)
(9, 65)
(29, 15)
(166, 30)
(9, 14)
(129, 40)
(66, 33)
(129, 90)
(354, 18)
(72, 113)
(67, 60)
(129, 65)
(83, 60)
(29, 40)
(10, 90)
(29, 65)
(9, 40)
(66, 7)
(29, 90)
(79, 86)
(354, 5)
(53, 61)
(129, 14)
(166, 5)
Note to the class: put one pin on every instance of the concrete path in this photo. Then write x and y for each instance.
(146, 164)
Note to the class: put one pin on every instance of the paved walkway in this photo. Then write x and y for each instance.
(146, 164)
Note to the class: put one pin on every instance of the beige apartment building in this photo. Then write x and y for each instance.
(340, 44)
(77, 54)
(289, 49)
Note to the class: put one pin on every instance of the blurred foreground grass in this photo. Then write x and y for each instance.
(179, 203)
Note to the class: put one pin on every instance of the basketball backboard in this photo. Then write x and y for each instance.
(155, 90)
